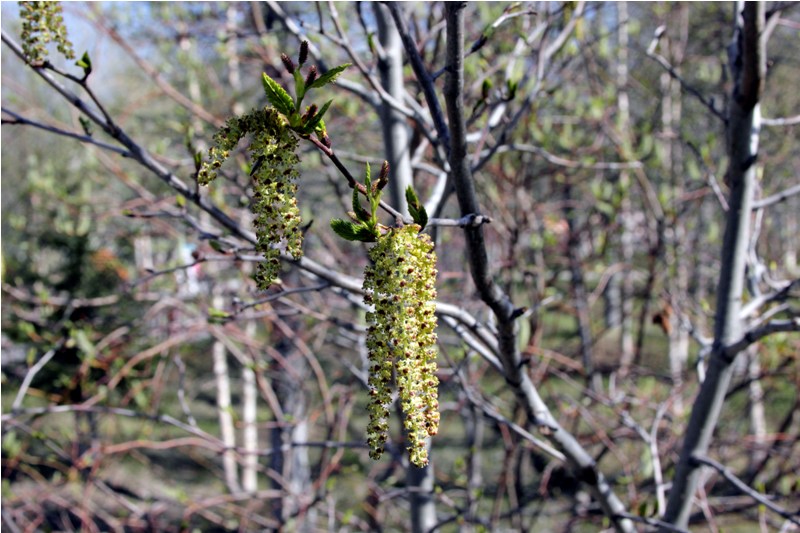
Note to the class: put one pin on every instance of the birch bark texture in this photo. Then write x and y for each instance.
(747, 57)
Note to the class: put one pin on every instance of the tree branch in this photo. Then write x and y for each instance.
(493, 295)
(745, 489)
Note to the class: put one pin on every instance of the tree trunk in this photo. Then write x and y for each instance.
(396, 138)
(579, 294)
(747, 59)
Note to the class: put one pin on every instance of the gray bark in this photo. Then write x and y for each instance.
(748, 66)
(396, 138)
(225, 410)
(500, 303)
(622, 283)
(579, 293)
(396, 141)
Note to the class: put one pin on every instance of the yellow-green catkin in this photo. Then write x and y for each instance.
(42, 22)
(401, 338)
(277, 218)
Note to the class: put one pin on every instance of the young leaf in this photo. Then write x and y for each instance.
(85, 63)
(86, 125)
(367, 180)
(328, 77)
(360, 212)
(299, 88)
(277, 96)
(311, 125)
(351, 231)
(415, 208)
(344, 229)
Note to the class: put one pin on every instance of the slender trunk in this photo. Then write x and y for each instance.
(748, 68)
(678, 255)
(225, 410)
(579, 293)
(623, 281)
(291, 462)
(500, 303)
(396, 138)
(758, 418)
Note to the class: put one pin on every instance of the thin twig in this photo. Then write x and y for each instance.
(20, 120)
(661, 60)
(777, 198)
(423, 76)
(745, 489)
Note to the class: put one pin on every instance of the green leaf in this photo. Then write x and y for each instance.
(328, 77)
(86, 125)
(320, 130)
(360, 212)
(367, 179)
(299, 87)
(217, 316)
(352, 232)
(277, 96)
(415, 208)
(85, 62)
(312, 124)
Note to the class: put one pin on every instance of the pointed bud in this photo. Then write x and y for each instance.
(310, 112)
(312, 75)
(383, 177)
(303, 53)
(287, 62)
(326, 141)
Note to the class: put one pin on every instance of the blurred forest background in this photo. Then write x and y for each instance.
(148, 386)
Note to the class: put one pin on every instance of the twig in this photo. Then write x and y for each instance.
(654, 522)
(423, 76)
(26, 383)
(567, 163)
(787, 121)
(661, 60)
(746, 489)
(758, 333)
(777, 198)
(20, 120)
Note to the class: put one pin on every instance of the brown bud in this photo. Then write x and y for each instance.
(312, 75)
(288, 63)
(383, 178)
(303, 53)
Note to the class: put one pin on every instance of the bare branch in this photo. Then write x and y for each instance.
(787, 121)
(744, 488)
(661, 60)
(777, 198)
(88, 139)
(423, 76)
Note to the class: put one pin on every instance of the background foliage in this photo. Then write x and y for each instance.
(149, 385)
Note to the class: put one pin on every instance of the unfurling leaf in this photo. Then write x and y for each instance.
(277, 96)
(361, 214)
(217, 316)
(315, 120)
(86, 125)
(351, 231)
(85, 62)
(328, 77)
(416, 209)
